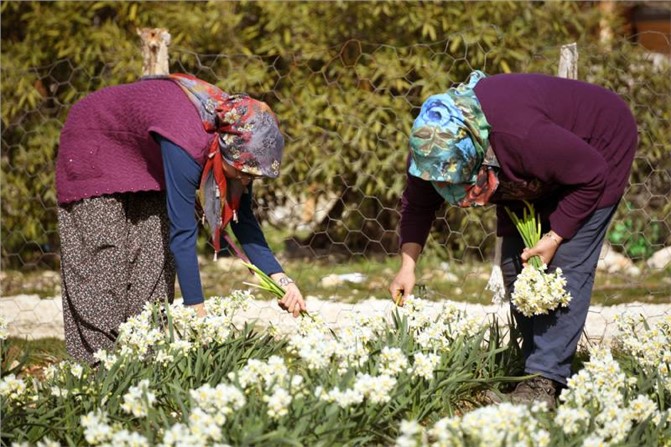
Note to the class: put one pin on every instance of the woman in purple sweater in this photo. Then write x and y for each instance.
(130, 162)
(567, 147)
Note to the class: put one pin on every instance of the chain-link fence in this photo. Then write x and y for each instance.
(332, 216)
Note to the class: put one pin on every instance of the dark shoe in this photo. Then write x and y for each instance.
(538, 389)
(491, 397)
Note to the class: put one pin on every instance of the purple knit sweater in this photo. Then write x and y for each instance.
(565, 145)
(107, 146)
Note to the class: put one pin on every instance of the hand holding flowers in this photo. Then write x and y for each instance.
(537, 291)
(292, 301)
(289, 297)
(545, 248)
(199, 309)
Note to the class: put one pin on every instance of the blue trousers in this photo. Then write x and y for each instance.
(549, 342)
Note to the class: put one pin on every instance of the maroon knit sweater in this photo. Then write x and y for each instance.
(106, 144)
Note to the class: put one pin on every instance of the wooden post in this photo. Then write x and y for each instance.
(155, 42)
(568, 61)
(607, 10)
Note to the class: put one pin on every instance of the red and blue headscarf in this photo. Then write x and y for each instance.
(247, 137)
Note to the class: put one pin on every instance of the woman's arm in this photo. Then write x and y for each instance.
(248, 231)
(419, 204)
(558, 157)
(182, 177)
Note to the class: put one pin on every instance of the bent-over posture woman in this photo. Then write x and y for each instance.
(564, 145)
(131, 160)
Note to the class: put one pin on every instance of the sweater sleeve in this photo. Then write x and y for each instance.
(248, 231)
(419, 204)
(182, 175)
(557, 156)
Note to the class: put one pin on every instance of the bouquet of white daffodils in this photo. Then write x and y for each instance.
(537, 291)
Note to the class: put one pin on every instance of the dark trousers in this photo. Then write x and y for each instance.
(549, 342)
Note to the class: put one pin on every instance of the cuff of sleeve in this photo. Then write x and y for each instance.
(416, 240)
(193, 301)
(564, 228)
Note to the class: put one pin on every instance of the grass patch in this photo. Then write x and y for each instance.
(437, 279)
(44, 283)
(32, 355)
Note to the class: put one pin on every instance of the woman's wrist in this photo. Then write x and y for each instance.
(284, 281)
(557, 239)
(199, 308)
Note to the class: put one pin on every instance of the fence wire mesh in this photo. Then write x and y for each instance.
(346, 112)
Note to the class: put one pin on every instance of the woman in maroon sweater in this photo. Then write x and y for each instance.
(564, 145)
(131, 161)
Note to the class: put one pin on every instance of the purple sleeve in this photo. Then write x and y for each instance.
(419, 204)
(557, 156)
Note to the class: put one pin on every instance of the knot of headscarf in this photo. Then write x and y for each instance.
(247, 137)
(449, 142)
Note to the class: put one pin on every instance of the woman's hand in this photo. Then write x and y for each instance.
(545, 248)
(199, 308)
(292, 301)
(402, 285)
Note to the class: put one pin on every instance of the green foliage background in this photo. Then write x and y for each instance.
(345, 78)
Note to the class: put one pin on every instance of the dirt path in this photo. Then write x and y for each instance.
(31, 317)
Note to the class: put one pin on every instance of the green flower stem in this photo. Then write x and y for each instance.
(529, 228)
(269, 285)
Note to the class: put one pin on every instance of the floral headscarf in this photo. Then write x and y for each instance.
(449, 143)
(248, 138)
(248, 131)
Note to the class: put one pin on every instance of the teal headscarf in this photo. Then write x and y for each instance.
(449, 140)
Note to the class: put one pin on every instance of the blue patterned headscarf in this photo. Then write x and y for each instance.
(448, 143)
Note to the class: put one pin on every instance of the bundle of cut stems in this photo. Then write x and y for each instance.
(529, 227)
(269, 285)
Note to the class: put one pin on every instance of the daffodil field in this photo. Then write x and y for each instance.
(413, 378)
